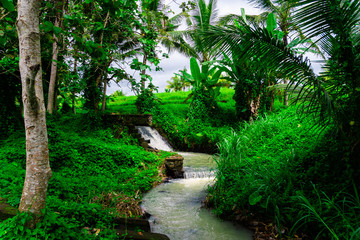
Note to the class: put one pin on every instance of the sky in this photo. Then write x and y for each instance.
(177, 61)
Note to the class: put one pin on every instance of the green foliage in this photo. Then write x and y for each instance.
(205, 89)
(10, 84)
(87, 164)
(171, 115)
(197, 132)
(61, 220)
(51, 227)
(256, 160)
(335, 216)
(202, 106)
(204, 80)
(117, 93)
(201, 18)
(146, 100)
(177, 84)
(276, 166)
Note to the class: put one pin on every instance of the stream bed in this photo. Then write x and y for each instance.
(176, 206)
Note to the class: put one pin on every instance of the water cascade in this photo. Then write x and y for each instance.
(156, 140)
(176, 206)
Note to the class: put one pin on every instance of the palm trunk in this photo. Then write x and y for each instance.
(38, 170)
(286, 94)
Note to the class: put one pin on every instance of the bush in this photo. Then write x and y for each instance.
(86, 165)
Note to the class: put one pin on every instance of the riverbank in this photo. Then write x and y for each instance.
(280, 177)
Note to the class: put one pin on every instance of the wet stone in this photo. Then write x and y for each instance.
(174, 166)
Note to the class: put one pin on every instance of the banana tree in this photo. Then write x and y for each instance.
(205, 79)
(205, 88)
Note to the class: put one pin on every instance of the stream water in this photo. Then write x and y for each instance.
(176, 206)
(156, 141)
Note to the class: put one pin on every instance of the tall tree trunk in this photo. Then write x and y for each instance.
(56, 106)
(73, 92)
(91, 92)
(53, 74)
(285, 41)
(103, 106)
(38, 170)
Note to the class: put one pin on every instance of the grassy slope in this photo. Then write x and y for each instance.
(172, 119)
(126, 104)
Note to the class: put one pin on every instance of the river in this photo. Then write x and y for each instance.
(176, 206)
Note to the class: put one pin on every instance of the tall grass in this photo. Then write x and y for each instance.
(336, 215)
(278, 166)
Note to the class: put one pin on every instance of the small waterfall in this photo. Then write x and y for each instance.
(156, 140)
(198, 173)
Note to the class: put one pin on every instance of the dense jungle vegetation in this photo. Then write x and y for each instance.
(287, 138)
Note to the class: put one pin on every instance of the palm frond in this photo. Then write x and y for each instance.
(264, 4)
(257, 43)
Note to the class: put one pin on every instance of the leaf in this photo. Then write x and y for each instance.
(195, 70)
(243, 15)
(47, 26)
(217, 75)
(2, 41)
(8, 5)
(254, 198)
(271, 22)
(57, 30)
(205, 68)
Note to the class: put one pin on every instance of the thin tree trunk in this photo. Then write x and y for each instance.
(53, 74)
(286, 94)
(73, 93)
(56, 106)
(103, 106)
(38, 170)
(143, 72)
(73, 103)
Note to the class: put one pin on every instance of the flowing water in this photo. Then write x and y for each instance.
(156, 140)
(176, 206)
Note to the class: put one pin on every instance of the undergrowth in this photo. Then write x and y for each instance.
(96, 177)
(281, 168)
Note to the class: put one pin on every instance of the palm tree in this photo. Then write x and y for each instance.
(189, 41)
(283, 11)
(174, 84)
(334, 96)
